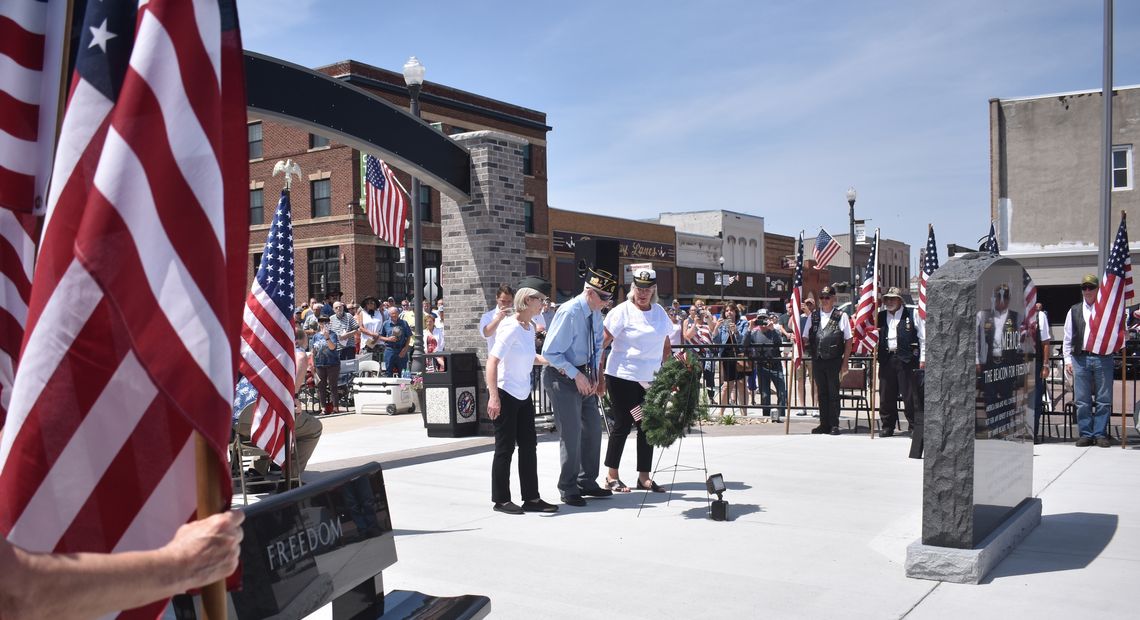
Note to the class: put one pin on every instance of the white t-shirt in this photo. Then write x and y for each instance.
(486, 319)
(514, 346)
(675, 335)
(639, 338)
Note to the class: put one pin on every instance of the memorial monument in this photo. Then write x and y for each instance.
(978, 472)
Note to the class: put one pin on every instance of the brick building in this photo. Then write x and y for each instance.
(335, 248)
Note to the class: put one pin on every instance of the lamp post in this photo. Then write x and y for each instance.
(851, 218)
(414, 78)
(721, 260)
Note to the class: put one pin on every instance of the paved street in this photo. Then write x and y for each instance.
(819, 530)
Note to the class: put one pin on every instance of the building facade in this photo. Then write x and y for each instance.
(1045, 183)
(894, 262)
(335, 248)
(741, 243)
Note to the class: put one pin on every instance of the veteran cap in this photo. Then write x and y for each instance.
(827, 291)
(602, 280)
(645, 278)
(893, 292)
(1090, 279)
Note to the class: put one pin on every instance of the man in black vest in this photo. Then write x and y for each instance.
(1091, 373)
(901, 347)
(999, 345)
(830, 337)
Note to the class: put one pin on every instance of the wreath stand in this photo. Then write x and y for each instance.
(676, 467)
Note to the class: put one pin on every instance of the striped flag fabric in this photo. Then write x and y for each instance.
(636, 413)
(31, 64)
(796, 300)
(865, 333)
(1030, 300)
(1106, 325)
(387, 207)
(267, 337)
(136, 303)
(929, 266)
(826, 247)
(30, 68)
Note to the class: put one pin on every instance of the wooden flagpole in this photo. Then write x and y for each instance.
(1124, 390)
(872, 370)
(788, 410)
(209, 503)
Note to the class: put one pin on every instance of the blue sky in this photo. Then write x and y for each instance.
(769, 107)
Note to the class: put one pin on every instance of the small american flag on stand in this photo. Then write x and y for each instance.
(796, 300)
(929, 266)
(385, 201)
(826, 247)
(1106, 325)
(267, 337)
(865, 334)
(636, 413)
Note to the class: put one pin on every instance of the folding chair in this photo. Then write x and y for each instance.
(853, 388)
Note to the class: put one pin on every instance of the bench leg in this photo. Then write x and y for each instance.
(364, 601)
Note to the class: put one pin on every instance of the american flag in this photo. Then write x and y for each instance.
(30, 68)
(1030, 301)
(636, 413)
(866, 334)
(267, 337)
(135, 307)
(1106, 325)
(929, 266)
(797, 299)
(826, 247)
(991, 244)
(387, 207)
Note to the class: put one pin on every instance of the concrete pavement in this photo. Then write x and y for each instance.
(819, 529)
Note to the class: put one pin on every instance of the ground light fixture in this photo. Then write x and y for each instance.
(715, 486)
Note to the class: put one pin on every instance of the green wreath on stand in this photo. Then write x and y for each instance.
(674, 401)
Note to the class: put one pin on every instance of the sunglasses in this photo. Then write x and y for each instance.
(1088, 287)
(537, 298)
(603, 296)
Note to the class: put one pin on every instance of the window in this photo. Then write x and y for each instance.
(528, 215)
(322, 197)
(456, 130)
(256, 207)
(528, 165)
(566, 274)
(324, 271)
(1122, 167)
(425, 203)
(316, 142)
(534, 267)
(256, 262)
(254, 130)
(391, 277)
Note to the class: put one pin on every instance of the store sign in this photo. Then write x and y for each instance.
(564, 241)
(700, 277)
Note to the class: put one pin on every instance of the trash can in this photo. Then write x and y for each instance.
(451, 396)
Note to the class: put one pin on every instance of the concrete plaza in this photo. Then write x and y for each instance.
(819, 528)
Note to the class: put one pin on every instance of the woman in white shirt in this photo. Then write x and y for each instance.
(510, 407)
(433, 343)
(638, 330)
(370, 319)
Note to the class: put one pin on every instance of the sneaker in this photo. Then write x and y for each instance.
(1084, 442)
(1103, 442)
(835, 431)
(800, 413)
(510, 508)
(539, 506)
(573, 500)
(819, 430)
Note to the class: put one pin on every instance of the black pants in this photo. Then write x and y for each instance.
(826, 374)
(514, 426)
(624, 396)
(895, 378)
(919, 391)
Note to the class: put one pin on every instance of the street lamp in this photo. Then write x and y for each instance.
(414, 78)
(851, 217)
(721, 260)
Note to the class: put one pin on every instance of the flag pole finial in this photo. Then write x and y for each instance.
(290, 168)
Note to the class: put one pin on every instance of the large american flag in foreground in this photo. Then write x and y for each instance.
(30, 67)
(1106, 325)
(385, 201)
(136, 302)
(267, 337)
(797, 299)
(929, 266)
(864, 332)
(826, 247)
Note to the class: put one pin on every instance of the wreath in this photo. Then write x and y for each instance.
(674, 401)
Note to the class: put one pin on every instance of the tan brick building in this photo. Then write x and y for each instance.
(334, 247)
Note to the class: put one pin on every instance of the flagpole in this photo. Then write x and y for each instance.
(1124, 391)
(209, 503)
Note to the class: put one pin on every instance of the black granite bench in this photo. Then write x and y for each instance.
(327, 542)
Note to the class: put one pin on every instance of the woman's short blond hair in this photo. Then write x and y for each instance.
(521, 295)
(652, 298)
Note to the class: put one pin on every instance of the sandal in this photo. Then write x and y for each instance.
(652, 486)
(617, 486)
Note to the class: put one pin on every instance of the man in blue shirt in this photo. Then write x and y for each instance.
(396, 336)
(572, 379)
(326, 363)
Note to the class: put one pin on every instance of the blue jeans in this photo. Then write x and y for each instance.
(1092, 376)
(773, 376)
(394, 363)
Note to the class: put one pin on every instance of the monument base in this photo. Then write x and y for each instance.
(972, 565)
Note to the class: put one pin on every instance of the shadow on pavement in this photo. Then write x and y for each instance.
(734, 511)
(398, 533)
(1061, 542)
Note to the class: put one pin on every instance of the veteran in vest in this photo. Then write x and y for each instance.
(1091, 373)
(902, 347)
(829, 332)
